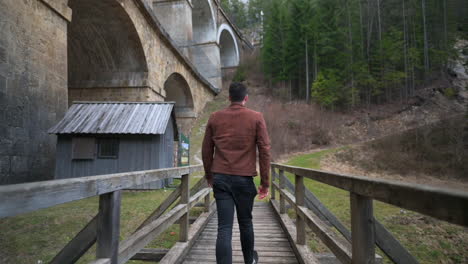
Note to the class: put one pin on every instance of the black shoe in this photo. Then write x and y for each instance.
(255, 257)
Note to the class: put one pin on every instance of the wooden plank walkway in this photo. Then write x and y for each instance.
(271, 241)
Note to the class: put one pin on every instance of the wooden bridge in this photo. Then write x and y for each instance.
(279, 239)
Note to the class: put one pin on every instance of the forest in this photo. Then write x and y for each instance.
(347, 53)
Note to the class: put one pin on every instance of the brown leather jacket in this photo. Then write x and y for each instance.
(231, 140)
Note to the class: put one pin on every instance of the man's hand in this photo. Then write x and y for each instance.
(209, 180)
(262, 192)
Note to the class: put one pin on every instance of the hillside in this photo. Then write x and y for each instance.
(296, 127)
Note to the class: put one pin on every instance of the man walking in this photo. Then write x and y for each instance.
(229, 154)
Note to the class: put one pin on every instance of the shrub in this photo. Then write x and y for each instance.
(326, 89)
(450, 93)
(241, 74)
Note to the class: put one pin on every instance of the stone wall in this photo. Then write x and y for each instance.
(34, 64)
(122, 94)
(33, 86)
(163, 60)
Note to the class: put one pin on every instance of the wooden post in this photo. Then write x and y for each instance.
(362, 229)
(273, 178)
(108, 229)
(300, 221)
(207, 202)
(184, 199)
(78, 246)
(282, 187)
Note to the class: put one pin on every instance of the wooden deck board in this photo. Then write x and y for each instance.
(271, 241)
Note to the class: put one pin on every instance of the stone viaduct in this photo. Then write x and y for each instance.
(54, 52)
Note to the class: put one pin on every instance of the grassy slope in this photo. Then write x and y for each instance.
(41, 234)
(428, 239)
(198, 131)
(38, 236)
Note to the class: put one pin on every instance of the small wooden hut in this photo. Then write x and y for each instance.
(97, 138)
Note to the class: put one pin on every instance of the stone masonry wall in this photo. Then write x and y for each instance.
(33, 86)
(124, 94)
(162, 60)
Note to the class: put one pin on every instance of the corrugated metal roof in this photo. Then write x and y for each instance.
(115, 118)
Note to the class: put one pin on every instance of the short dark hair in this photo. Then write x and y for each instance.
(237, 92)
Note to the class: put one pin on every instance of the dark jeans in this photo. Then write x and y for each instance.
(234, 191)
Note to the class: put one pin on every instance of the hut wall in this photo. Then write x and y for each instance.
(136, 153)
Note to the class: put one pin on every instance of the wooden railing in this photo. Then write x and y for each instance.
(104, 228)
(358, 246)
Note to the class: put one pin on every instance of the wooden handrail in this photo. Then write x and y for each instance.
(384, 239)
(104, 228)
(445, 204)
(442, 203)
(26, 197)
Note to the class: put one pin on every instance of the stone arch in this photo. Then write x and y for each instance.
(229, 51)
(104, 48)
(178, 90)
(203, 22)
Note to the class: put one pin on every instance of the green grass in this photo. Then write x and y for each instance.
(40, 235)
(428, 239)
(311, 160)
(198, 131)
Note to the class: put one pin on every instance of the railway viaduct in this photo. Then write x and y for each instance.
(54, 52)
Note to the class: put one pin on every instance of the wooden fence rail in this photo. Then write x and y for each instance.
(444, 204)
(104, 228)
(384, 239)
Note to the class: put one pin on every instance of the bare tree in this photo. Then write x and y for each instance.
(351, 58)
(307, 70)
(426, 44)
(405, 49)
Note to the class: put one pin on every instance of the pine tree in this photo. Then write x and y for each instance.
(372, 51)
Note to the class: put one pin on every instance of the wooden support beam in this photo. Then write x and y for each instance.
(78, 246)
(180, 249)
(303, 252)
(146, 234)
(101, 261)
(300, 221)
(314, 204)
(201, 184)
(162, 207)
(207, 203)
(391, 247)
(150, 254)
(108, 230)
(339, 246)
(273, 178)
(192, 219)
(170, 200)
(281, 187)
(384, 239)
(137, 241)
(184, 199)
(362, 229)
(288, 197)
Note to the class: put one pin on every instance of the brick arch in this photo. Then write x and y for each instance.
(228, 48)
(104, 48)
(178, 90)
(203, 21)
